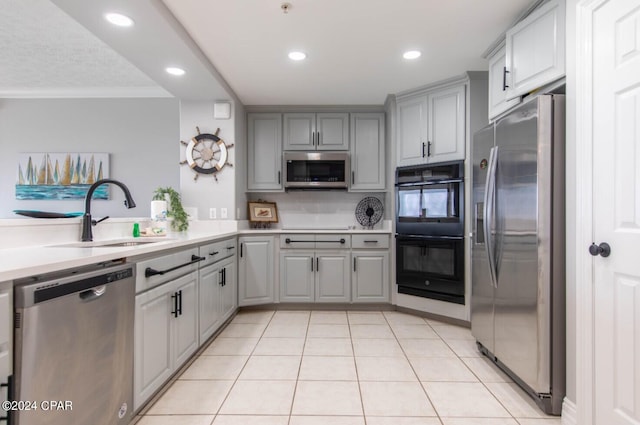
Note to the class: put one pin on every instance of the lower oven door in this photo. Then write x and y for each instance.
(431, 267)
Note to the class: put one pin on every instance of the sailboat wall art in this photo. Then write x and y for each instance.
(61, 175)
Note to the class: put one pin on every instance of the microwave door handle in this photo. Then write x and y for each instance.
(489, 213)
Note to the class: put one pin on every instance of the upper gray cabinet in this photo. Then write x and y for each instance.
(535, 50)
(431, 125)
(498, 102)
(264, 152)
(367, 151)
(316, 131)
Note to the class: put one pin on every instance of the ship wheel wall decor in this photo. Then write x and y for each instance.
(206, 154)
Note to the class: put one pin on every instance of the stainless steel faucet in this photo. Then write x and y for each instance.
(87, 222)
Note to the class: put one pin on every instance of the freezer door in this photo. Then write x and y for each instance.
(481, 285)
(522, 318)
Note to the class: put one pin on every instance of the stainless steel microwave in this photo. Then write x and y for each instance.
(316, 170)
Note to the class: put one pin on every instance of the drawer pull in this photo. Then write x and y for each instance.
(152, 272)
(374, 241)
(214, 253)
(289, 241)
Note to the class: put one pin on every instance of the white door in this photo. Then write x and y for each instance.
(255, 271)
(332, 276)
(446, 123)
(296, 275)
(208, 294)
(616, 211)
(412, 123)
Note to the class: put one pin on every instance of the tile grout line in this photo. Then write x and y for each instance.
(295, 388)
(243, 366)
(355, 364)
(433, 406)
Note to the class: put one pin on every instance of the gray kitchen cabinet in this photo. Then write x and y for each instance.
(217, 290)
(367, 152)
(535, 49)
(165, 333)
(255, 270)
(314, 276)
(297, 275)
(316, 131)
(498, 102)
(6, 337)
(431, 125)
(333, 281)
(370, 268)
(264, 152)
(315, 268)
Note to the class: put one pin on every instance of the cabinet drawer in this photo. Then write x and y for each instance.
(182, 262)
(333, 241)
(218, 250)
(370, 241)
(298, 240)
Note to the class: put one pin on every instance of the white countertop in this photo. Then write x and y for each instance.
(27, 261)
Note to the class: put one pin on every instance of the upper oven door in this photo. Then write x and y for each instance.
(428, 203)
(316, 170)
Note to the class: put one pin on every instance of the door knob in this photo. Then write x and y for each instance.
(604, 250)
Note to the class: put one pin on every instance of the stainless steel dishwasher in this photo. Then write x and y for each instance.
(74, 346)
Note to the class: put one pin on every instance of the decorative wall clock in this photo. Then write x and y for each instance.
(206, 154)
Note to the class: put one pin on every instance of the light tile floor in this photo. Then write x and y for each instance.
(343, 368)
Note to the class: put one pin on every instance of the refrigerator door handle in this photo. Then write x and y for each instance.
(489, 213)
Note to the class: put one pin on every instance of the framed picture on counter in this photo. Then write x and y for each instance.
(263, 212)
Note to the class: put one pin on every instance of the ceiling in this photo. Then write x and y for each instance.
(238, 49)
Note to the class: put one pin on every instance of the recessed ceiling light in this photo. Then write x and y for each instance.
(119, 19)
(412, 54)
(297, 56)
(175, 71)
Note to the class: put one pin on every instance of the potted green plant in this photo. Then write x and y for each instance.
(180, 220)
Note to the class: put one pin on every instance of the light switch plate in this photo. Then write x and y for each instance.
(223, 213)
(222, 110)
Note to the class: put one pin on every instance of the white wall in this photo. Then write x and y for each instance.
(139, 134)
(204, 193)
(571, 209)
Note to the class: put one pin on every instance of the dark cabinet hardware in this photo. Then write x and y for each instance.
(214, 253)
(231, 247)
(374, 241)
(224, 276)
(279, 182)
(152, 272)
(428, 148)
(353, 177)
(180, 303)
(221, 277)
(311, 263)
(317, 264)
(289, 241)
(504, 78)
(423, 146)
(603, 250)
(354, 264)
(174, 298)
(241, 250)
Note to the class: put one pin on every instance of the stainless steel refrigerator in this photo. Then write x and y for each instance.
(518, 249)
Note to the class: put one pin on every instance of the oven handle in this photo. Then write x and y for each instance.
(430, 182)
(489, 211)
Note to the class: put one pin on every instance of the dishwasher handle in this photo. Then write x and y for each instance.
(92, 294)
(152, 272)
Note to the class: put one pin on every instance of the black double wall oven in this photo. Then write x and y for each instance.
(430, 231)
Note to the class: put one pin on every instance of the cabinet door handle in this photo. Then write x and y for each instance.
(428, 148)
(318, 138)
(221, 277)
(180, 303)
(371, 241)
(311, 263)
(423, 146)
(353, 177)
(504, 78)
(174, 298)
(214, 253)
(354, 264)
(241, 250)
(313, 138)
(279, 179)
(224, 277)
(317, 264)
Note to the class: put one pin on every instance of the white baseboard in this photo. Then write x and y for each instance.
(569, 412)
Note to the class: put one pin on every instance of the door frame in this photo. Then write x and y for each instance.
(584, 273)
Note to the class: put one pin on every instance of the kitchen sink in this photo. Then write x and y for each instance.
(113, 243)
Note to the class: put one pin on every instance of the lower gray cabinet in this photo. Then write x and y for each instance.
(320, 276)
(166, 333)
(370, 276)
(255, 270)
(217, 296)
